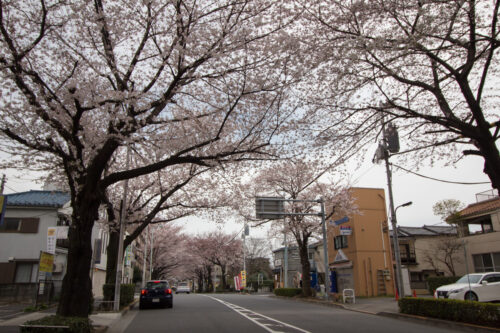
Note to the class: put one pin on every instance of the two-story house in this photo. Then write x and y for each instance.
(479, 228)
(24, 235)
(429, 251)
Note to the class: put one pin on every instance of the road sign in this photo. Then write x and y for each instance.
(342, 220)
(345, 230)
(269, 208)
(243, 275)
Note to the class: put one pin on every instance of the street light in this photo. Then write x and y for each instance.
(397, 255)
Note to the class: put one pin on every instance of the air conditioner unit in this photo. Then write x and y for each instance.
(58, 267)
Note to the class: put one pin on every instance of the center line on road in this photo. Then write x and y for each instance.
(263, 321)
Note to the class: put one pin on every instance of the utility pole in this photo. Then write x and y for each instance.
(151, 253)
(286, 263)
(391, 144)
(2, 185)
(325, 249)
(144, 254)
(119, 261)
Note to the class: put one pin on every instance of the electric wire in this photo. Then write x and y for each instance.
(439, 180)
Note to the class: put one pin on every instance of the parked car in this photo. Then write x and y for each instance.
(156, 293)
(482, 287)
(183, 287)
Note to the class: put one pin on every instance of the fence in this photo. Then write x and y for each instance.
(36, 293)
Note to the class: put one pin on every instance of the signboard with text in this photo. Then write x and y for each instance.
(46, 262)
(243, 275)
(51, 239)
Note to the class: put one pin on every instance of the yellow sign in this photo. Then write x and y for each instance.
(46, 262)
(243, 279)
(1, 203)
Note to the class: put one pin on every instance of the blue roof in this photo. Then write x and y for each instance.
(34, 198)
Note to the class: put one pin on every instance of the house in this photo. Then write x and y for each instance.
(359, 251)
(426, 252)
(24, 234)
(294, 271)
(479, 228)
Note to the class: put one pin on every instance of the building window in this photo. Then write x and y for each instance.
(486, 262)
(340, 242)
(26, 272)
(10, 224)
(22, 225)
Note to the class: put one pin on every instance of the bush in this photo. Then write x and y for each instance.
(126, 293)
(288, 292)
(75, 324)
(437, 281)
(487, 314)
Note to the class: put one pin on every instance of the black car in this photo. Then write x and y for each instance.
(156, 293)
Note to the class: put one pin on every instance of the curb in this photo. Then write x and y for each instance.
(104, 328)
(413, 318)
(440, 322)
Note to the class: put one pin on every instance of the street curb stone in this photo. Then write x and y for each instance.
(104, 328)
(413, 318)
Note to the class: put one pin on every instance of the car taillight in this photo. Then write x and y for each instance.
(144, 292)
(168, 291)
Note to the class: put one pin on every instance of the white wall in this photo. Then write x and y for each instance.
(26, 245)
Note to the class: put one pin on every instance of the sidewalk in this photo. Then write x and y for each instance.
(101, 321)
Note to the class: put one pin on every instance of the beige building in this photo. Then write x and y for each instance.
(479, 227)
(429, 251)
(359, 250)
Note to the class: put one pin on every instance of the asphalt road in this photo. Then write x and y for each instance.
(248, 313)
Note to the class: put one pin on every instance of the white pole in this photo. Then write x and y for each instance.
(144, 257)
(151, 253)
(325, 249)
(119, 261)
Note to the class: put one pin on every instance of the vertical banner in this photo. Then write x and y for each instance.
(237, 285)
(243, 275)
(51, 239)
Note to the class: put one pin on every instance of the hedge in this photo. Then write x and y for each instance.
(289, 292)
(126, 293)
(487, 314)
(74, 324)
(437, 281)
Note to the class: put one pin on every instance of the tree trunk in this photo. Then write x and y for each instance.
(491, 156)
(306, 269)
(76, 293)
(112, 255)
(223, 277)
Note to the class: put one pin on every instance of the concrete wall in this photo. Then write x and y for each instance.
(428, 246)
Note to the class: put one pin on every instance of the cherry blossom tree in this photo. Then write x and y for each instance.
(161, 198)
(219, 249)
(169, 251)
(432, 66)
(186, 82)
(298, 180)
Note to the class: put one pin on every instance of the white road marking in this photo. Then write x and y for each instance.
(263, 321)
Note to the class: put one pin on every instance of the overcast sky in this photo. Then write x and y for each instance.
(424, 193)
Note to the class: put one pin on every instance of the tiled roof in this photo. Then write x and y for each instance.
(426, 231)
(38, 199)
(481, 207)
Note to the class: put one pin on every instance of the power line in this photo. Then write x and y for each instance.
(439, 180)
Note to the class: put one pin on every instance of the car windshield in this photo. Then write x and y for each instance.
(182, 284)
(473, 278)
(157, 285)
